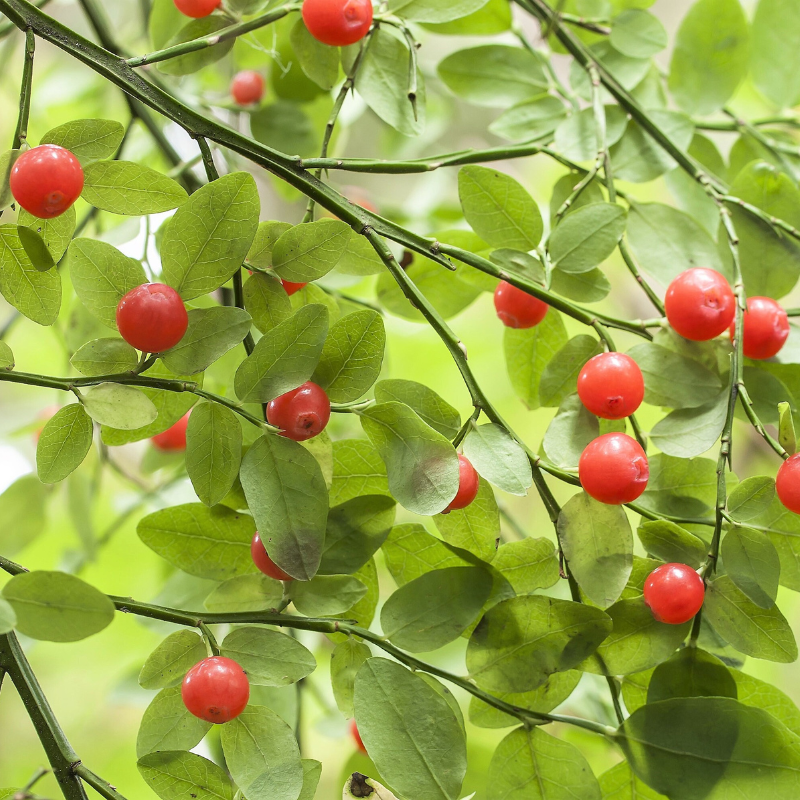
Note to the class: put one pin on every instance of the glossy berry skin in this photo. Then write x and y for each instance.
(152, 318)
(517, 309)
(197, 8)
(613, 469)
(338, 22)
(611, 386)
(787, 483)
(700, 304)
(264, 563)
(216, 689)
(674, 593)
(292, 288)
(357, 737)
(173, 439)
(46, 180)
(247, 87)
(302, 413)
(766, 328)
(468, 485)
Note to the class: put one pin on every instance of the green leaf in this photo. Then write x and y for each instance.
(576, 136)
(753, 692)
(266, 301)
(213, 451)
(123, 407)
(499, 459)
(752, 563)
(754, 631)
(431, 408)
(7, 161)
(269, 658)
(210, 235)
(751, 498)
(629, 72)
(493, 75)
(87, 139)
(569, 432)
(435, 608)
(598, 544)
(312, 772)
(410, 551)
(587, 237)
(669, 542)
(638, 34)
(786, 433)
(356, 530)
(690, 432)
(434, 10)
(287, 495)
(35, 294)
(57, 607)
(327, 595)
(382, 81)
(35, 248)
(680, 487)
(101, 276)
(528, 565)
(520, 642)
(212, 332)
(260, 253)
(63, 444)
(346, 660)
(23, 508)
(8, 618)
(168, 725)
(194, 61)
(398, 712)
(691, 672)
(531, 119)
(285, 357)
(774, 55)
(309, 251)
(56, 233)
(711, 56)
(619, 783)
(178, 775)
(319, 61)
(533, 765)
(352, 356)
(171, 660)
(245, 593)
(123, 187)
(499, 209)
(360, 258)
(494, 17)
(421, 465)
(560, 377)
(210, 543)
(105, 357)
(357, 470)
(6, 357)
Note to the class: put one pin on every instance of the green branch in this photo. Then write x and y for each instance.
(21, 133)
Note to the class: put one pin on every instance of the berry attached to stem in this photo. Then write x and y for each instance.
(700, 304)
(197, 8)
(613, 469)
(766, 328)
(674, 593)
(173, 439)
(152, 318)
(468, 485)
(302, 413)
(338, 22)
(787, 484)
(216, 690)
(264, 563)
(46, 180)
(611, 386)
(247, 87)
(517, 309)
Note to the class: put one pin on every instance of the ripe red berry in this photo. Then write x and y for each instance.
(264, 562)
(766, 328)
(247, 87)
(291, 288)
(152, 318)
(674, 593)
(468, 485)
(613, 469)
(302, 413)
(787, 484)
(700, 304)
(357, 737)
(611, 385)
(517, 309)
(46, 180)
(216, 689)
(338, 22)
(173, 439)
(197, 8)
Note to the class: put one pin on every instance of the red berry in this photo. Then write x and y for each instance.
(247, 87)
(172, 439)
(264, 562)
(357, 737)
(674, 593)
(302, 413)
(216, 689)
(700, 304)
(518, 309)
(787, 484)
(468, 485)
(338, 22)
(152, 318)
(766, 328)
(611, 385)
(46, 180)
(197, 8)
(613, 469)
(291, 288)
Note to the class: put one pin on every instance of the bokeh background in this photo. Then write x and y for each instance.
(92, 684)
